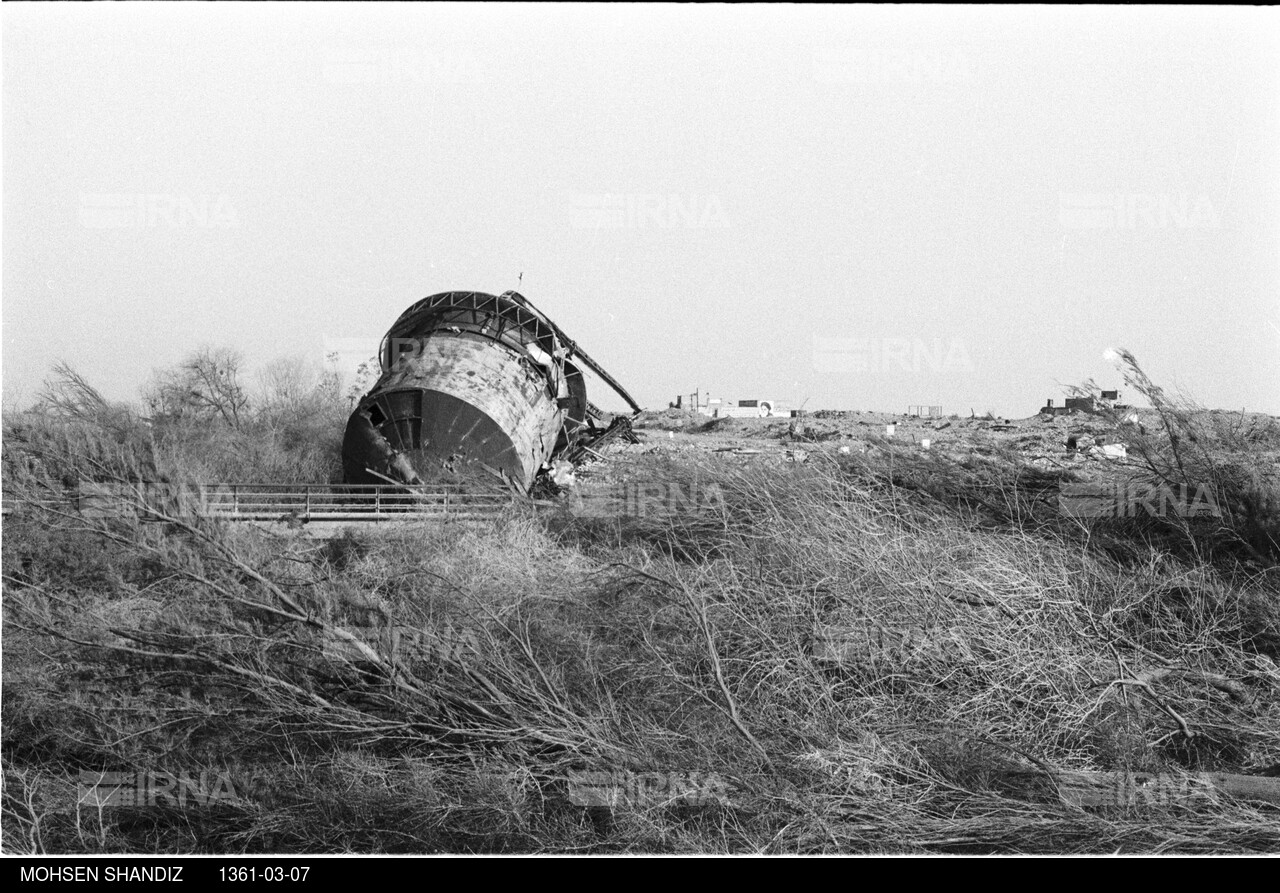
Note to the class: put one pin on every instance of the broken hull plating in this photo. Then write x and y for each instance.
(471, 385)
(460, 406)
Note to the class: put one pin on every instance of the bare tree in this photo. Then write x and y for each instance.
(68, 393)
(366, 376)
(289, 382)
(206, 384)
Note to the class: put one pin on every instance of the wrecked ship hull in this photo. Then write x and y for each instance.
(473, 386)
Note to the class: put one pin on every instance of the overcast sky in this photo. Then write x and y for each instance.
(858, 208)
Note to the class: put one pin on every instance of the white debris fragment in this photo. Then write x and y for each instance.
(562, 473)
(1111, 451)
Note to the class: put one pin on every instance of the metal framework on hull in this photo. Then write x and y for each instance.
(500, 318)
(509, 318)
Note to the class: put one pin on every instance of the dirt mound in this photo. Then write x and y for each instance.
(726, 423)
(666, 419)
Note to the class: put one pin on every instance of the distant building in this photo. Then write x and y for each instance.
(719, 408)
(1104, 400)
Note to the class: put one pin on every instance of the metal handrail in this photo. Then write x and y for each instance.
(309, 500)
(266, 501)
(313, 500)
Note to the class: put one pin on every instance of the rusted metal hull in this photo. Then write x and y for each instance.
(459, 409)
(473, 386)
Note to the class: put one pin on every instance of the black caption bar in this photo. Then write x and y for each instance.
(231, 871)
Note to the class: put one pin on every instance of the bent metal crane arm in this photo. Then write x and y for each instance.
(577, 352)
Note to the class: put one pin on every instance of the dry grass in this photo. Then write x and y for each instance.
(876, 654)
